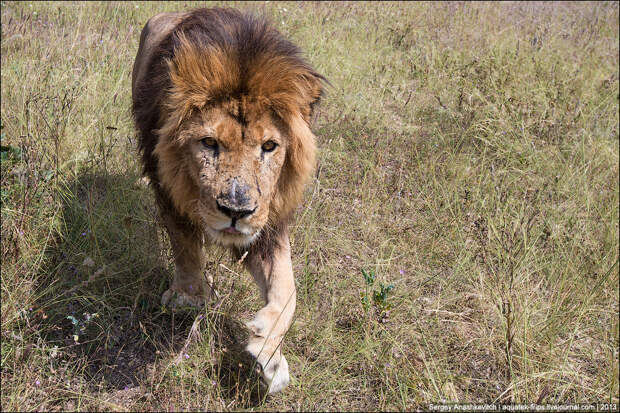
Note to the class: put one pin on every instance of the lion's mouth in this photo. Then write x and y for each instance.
(231, 230)
(231, 235)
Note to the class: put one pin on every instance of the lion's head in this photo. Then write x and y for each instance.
(231, 143)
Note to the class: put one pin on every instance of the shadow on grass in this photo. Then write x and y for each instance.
(100, 294)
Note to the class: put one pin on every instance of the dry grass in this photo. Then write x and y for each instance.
(468, 157)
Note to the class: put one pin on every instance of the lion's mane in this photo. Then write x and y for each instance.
(213, 56)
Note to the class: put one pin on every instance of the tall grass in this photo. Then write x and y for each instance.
(468, 156)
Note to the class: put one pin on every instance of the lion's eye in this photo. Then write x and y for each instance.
(209, 142)
(269, 146)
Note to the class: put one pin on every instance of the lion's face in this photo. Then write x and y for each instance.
(234, 165)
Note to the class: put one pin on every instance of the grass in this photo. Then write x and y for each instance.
(468, 156)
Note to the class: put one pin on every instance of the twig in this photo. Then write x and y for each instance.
(194, 334)
(441, 104)
(407, 101)
(84, 283)
(245, 254)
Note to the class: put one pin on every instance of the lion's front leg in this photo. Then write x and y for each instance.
(189, 287)
(273, 272)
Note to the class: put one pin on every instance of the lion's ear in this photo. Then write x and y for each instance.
(311, 88)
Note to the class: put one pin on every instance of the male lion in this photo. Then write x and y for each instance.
(222, 104)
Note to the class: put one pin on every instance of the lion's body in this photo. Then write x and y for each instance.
(222, 104)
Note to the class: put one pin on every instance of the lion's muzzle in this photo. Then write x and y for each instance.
(235, 201)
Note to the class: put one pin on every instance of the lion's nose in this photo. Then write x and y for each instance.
(235, 202)
(234, 213)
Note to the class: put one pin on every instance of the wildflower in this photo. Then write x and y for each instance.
(401, 272)
(37, 382)
(83, 234)
(186, 356)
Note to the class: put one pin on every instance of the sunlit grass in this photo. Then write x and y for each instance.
(468, 157)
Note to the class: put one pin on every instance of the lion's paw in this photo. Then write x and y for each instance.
(177, 300)
(276, 375)
(273, 365)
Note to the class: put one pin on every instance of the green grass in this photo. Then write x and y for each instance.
(468, 156)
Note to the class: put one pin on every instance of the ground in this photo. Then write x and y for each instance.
(458, 241)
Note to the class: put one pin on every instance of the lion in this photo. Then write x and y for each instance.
(222, 104)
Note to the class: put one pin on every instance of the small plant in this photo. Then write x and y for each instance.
(369, 277)
(379, 296)
(79, 326)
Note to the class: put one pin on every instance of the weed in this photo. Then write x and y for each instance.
(79, 326)
(378, 297)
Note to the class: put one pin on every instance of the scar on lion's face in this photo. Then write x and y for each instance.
(235, 164)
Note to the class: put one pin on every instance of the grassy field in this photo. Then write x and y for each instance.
(459, 241)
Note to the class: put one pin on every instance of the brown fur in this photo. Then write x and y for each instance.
(222, 104)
